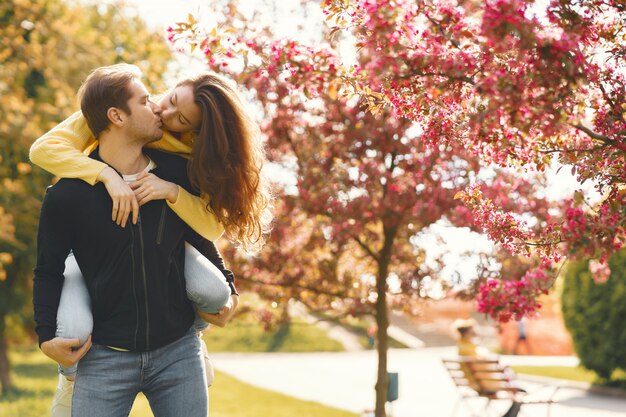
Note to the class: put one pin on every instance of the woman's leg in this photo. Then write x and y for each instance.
(206, 285)
(74, 320)
(74, 317)
(208, 290)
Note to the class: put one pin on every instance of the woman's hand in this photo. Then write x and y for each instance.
(149, 187)
(124, 201)
(224, 315)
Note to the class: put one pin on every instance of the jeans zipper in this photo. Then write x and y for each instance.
(145, 283)
(161, 224)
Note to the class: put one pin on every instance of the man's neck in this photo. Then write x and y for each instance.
(126, 158)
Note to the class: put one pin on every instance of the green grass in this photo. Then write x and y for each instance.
(359, 328)
(618, 379)
(35, 378)
(244, 334)
(561, 372)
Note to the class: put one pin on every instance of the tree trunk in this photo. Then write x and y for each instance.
(382, 321)
(5, 374)
(285, 317)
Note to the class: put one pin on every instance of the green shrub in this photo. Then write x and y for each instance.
(595, 315)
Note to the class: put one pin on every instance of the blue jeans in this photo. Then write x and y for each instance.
(206, 288)
(171, 377)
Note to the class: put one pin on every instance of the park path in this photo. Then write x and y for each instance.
(345, 380)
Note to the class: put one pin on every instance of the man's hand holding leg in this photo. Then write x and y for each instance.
(65, 351)
(224, 315)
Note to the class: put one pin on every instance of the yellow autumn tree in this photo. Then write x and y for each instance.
(47, 48)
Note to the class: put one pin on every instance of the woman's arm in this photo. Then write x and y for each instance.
(60, 151)
(190, 208)
(193, 210)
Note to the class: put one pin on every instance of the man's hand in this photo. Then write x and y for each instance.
(124, 201)
(60, 350)
(149, 187)
(224, 315)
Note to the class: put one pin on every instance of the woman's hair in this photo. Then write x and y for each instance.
(226, 161)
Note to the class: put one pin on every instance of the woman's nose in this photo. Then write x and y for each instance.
(165, 113)
(156, 109)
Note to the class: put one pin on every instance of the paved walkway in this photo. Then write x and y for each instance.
(345, 380)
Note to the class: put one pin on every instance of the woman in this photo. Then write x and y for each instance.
(206, 122)
(468, 348)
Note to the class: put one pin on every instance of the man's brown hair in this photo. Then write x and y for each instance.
(104, 88)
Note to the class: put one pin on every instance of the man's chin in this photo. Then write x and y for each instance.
(155, 137)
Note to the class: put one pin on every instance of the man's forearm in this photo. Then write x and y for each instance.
(46, 297)
(53, 246)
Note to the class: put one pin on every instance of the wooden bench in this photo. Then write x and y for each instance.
(488, 379)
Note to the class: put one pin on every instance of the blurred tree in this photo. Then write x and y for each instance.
(518, 83)
(594, 310)
(47, 48)
(344, 239)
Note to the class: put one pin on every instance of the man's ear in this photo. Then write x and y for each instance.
(116, 116)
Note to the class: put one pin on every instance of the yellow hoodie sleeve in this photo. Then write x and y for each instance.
(193, 211)
(63, 150)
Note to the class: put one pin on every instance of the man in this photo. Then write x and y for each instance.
(142, 336)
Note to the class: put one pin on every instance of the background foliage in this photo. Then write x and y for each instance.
(594, 315)
(47, 48)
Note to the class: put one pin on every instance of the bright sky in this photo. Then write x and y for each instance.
(455, 243)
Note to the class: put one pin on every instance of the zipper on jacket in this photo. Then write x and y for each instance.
(179, 275)
(161, 224)
(145, 283)
(132, 258)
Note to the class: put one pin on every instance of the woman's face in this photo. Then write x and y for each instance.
(179, 112)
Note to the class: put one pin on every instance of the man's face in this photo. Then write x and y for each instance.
(144, 122)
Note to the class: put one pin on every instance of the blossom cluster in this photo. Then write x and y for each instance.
(481, 79)
(506, 299)
(511, 232)
(514, 89)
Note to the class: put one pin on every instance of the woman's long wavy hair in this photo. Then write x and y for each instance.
(226, 162)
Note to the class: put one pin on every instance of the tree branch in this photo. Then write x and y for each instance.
(465, 79)
(544, 244)
(291, 285)
(597, 148)
(367, 249)
(606, 96)
(593, 134)
(443, 32)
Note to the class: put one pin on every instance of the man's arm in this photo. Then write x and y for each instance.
(53, 246)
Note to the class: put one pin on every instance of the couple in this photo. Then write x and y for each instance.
(139, 277)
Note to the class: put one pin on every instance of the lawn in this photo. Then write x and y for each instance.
(35, 379)
(561, 372)
(360, 326)
(246, 335)
(618, 379)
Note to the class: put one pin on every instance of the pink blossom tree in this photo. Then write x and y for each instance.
(517, 83)
(367, 182)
